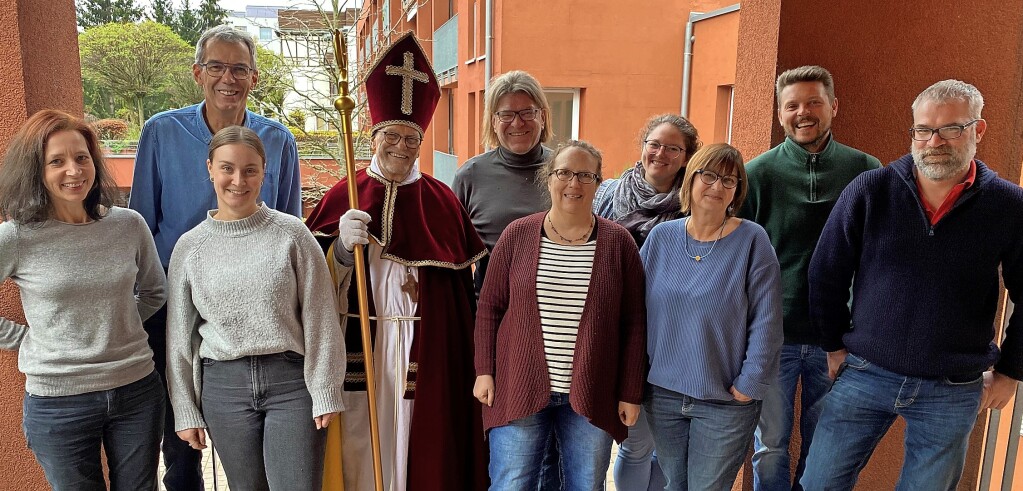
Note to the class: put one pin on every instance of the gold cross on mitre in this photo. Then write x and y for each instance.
(408, 74)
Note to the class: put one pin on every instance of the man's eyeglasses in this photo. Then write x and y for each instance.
(670, 151)
(525, 115)
(394, 138)
(216, 69)
(709, 178)
(950, 132)
(583, 177)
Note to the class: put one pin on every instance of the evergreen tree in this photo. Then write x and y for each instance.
(98, 12)
(163, 13)
(187, 25)
(210, 14)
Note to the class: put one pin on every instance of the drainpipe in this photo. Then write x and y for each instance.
(687, 60)
(488, 64)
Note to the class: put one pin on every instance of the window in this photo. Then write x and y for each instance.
(564, 118)
(266, 34)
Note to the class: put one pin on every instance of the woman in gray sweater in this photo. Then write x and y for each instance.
(254, 349)
(89, 274)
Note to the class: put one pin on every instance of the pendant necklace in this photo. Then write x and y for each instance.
(562, 237)
(685, 245)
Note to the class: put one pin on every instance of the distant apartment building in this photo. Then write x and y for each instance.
(303, 39)
(606, 66)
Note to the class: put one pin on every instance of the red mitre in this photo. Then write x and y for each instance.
(401, 87)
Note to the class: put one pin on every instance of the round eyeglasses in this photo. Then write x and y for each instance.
(567, 175)
(670, 151)
(394, 138)
(709, 178)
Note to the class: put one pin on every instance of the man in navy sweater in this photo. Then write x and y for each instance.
(924, 238)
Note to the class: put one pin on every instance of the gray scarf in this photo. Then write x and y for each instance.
(637, 206)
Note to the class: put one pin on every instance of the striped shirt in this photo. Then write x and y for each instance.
(562, 283)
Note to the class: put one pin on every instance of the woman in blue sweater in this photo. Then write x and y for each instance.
(713, 323)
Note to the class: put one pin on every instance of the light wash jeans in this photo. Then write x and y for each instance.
(260, 419)
(863, 404)
(636, 466)
(700, 444)
(771, 444)
(517, 449)
(65, 433)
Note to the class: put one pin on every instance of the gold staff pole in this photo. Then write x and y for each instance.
(345, 105)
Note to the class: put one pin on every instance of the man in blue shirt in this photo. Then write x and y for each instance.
(171, 187)
(926, 239)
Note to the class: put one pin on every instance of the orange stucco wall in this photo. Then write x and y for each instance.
(715, 47)
(882, 54)
(39, 53)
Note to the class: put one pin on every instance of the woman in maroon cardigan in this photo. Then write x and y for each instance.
(560, 333)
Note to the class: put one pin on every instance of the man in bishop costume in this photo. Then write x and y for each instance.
(419, 246)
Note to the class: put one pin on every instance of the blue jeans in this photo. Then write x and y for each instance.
(517, 449)
(636, 466)
(260, 418)
(771, 445)
(65, 434)
(700, 444)
(862, 405)
(182, 464)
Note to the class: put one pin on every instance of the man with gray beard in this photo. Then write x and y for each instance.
(924, 238)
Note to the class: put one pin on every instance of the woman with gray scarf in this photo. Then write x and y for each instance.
(645, 195)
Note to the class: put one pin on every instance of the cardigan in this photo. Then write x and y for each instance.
(608, 364)
(925, 296)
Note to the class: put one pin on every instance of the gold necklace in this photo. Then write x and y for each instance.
(562, 237)
(685, 245)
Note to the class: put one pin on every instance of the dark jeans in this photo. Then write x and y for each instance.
(260, 418)
(65, 433)
(182, 464)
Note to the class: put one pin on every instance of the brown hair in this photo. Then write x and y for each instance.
(689, 133)
(722, 159)
(547, 168)
(23, 195)
(509, 83)
(238, 135)
(807, 73)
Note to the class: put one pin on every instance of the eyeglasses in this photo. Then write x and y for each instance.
(394, 138)
(950, 132)
(670, 151)
(217, 69)
(525, 115)
(709, 178)
(567, 175)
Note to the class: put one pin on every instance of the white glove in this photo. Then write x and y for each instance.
(352, 229)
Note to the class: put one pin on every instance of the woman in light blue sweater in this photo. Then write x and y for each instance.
(254, 349)
(713, 326)
(89, 275)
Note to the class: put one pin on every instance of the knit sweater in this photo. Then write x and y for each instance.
(608, 364)
(496, 188)
(78, 289)
(925, 296)
(791, 194)
(254, 286)
(714, 323)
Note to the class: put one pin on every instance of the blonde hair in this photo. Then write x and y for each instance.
(509, 83)
(240, 135)
(722, 159)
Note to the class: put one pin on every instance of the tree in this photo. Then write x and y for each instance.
(93, 13)
(133, 60)
(210, 14)
(267, 96)
(163, 13)
(187, 24)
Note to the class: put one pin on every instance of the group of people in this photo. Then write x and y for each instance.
(533, 307)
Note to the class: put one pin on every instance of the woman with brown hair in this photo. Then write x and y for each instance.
(559, 333)
(89, 275)
(713, 326)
